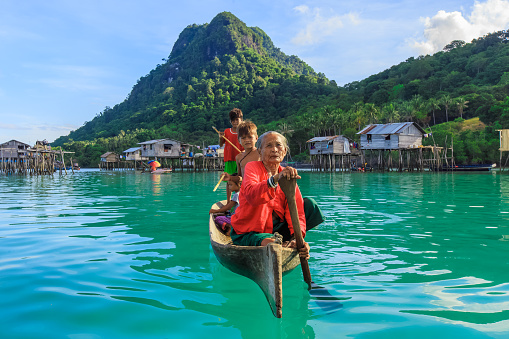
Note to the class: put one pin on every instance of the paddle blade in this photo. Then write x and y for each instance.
(324, 299)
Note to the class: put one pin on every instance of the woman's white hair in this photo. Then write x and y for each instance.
(261, 139)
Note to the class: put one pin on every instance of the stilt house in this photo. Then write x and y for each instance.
(336, 144)
(41, 146)
(134, 154)
(164, 148)
(391, 136)
(109, 157)
(13, 149)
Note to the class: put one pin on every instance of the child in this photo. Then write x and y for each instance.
(224, 221)
(247, 133)
(230, 166)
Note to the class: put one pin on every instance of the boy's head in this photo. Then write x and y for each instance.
(247, 134)
(235, 117)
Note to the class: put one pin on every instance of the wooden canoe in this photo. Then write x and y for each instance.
(265, 265)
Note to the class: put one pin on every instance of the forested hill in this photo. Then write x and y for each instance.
(224, 64)
(211, 69)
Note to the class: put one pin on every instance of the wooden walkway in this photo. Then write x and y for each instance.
(176, 164)
(36, 162)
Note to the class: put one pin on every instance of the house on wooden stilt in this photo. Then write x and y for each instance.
(164, 150)
(109, 161)
(134, 158)
(328, 151)
(379, 140)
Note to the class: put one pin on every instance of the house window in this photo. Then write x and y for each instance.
(167, 147)
(150, 146)
(388, 137)
(369, 137)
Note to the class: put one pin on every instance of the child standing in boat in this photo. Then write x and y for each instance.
(224, 221)
(230, 165)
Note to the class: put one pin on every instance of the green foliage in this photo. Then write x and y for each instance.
(224, 64)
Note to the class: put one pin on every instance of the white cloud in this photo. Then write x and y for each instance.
(30, 132)
(318, 26)
(486, 17)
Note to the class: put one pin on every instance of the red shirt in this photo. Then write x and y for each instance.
(257, 201)
(229, 151)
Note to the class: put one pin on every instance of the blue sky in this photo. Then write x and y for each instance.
(62, 62)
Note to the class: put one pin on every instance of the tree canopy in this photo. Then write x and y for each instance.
(224, 64)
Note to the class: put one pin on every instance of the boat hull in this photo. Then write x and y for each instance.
(265, 265)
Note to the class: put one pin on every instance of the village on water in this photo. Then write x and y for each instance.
(382, 147)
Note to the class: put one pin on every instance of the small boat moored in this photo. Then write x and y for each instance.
(161, 171)
(468, 168)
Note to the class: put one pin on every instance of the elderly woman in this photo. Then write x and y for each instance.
(263, 211)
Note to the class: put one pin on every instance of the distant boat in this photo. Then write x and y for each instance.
(468, 168)
(162, 171)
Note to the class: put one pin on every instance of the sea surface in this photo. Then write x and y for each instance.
(127, 255)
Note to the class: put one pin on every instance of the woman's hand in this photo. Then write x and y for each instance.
(226, 176)
(303, 252)
(288, 173)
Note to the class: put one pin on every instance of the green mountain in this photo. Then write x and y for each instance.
(224, 64)
(211, 69)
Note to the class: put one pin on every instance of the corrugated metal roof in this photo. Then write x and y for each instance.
(394, 128)
(151, 141)
(315, 139)
(132, 149)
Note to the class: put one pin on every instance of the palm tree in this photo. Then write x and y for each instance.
(390, 113)
(447, 101)
(372, 112)
(285, 130)
(407, 110)
(326, 118)
(359, 113)
(432, 105)
(462, 104)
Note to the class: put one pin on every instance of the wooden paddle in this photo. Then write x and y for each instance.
(288, 187)
(326, 300)
(215, 129)
(218, 183)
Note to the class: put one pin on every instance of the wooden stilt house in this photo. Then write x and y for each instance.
(336, 144)
(134, 154)
(332, 152)
(109, 160)
(391, 136)
(13, 150)
(164, 148)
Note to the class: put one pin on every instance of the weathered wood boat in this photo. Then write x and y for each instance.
(265, 265)
(161, 171)
(468, 168)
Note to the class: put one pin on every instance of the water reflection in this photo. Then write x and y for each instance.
(401, 251)
(471, 302)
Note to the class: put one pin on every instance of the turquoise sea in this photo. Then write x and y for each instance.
(127, 255)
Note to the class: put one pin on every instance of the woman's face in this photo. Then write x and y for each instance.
(273, 150)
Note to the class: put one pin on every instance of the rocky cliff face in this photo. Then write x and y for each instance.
(225, 34)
